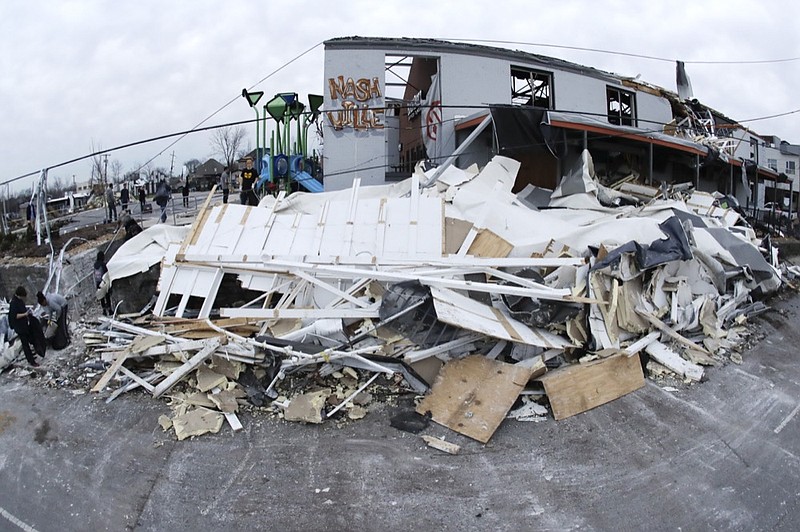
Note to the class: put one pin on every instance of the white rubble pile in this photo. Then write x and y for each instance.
(398, 280)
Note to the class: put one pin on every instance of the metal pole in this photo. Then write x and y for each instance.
(650, 164)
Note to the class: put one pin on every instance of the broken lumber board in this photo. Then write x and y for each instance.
(669, 331)
(199, 222)
(185, 369)
(580, 387)
(641, 343)
(135, 378)
(673, 361)
(111, 371)
(472, 395)
(441, 445)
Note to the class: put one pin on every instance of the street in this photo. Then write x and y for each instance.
(722, 454)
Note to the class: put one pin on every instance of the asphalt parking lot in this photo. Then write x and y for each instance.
(723, 454)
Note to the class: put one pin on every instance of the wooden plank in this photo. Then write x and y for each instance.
(472, 395)
(143, 383)
(489, 244)
(185, 369)
(580, 387)
(673, 361)
(111, 371)
(199, 222)
(293, 313)
(669, 331)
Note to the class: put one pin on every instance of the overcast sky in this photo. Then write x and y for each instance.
(84, 74)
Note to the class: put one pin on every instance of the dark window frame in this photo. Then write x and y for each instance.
(621, 107)
(532, 87)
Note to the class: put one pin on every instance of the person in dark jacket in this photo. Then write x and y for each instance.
(124, 197)
(142, 198)
(163, 194)
(104, 293)
(27, 327)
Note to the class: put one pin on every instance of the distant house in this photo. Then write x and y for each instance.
(206, 175)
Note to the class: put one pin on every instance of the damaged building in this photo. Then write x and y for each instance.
(390, 103)
(569, 240)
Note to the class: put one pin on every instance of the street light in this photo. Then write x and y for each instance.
(252, 99)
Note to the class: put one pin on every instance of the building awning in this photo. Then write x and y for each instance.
(596, 125)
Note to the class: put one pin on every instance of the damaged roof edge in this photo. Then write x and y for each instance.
(423, 46)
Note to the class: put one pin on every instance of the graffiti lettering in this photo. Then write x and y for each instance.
(355, 112)
(361, 90)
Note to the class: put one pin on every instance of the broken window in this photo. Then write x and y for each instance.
(621, 107)
(531, 87)
(772, 164)
(790, 167)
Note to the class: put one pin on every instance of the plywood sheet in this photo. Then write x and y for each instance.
(472, 395)
(580, 387)
(488, 244)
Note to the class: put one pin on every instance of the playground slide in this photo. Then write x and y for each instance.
(307, 181)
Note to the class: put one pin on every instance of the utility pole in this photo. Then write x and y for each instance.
(105, 182)
(171, 164)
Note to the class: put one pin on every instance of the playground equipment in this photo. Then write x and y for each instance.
(287, 160)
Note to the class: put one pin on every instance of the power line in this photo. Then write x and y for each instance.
(206, 119)
(628, 54)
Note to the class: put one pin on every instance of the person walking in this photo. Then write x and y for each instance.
(112, 203)
(249, 178)
(21, 319)
(102, 283)
(56, 308)
(163, 193)
(124, 197)
(225, 184)
(142, 198)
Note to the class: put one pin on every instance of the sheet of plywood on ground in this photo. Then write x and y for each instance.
(489, 244)
(580, 387)
(472, 395)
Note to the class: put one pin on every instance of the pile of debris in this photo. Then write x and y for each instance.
(446, 285)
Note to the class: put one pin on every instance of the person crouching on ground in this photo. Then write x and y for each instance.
(21, 319)
(132, 227)
(56, 308)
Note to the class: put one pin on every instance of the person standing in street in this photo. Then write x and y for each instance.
(225, 184)
(142, 199)
(112, 203)
(163, 193)
(185, 194)
(249, 178)
(124, 197)
(21, 319)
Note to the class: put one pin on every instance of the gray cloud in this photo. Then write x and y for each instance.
(111, 73)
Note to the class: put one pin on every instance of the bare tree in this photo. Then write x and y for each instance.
(56, 186)
(116, 171)
(98, 165)
(226, 142)
(191, 165)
